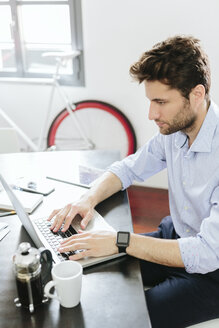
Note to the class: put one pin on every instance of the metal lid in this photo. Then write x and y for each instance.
(26, 258)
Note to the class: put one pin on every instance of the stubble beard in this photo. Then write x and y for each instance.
(183, 121)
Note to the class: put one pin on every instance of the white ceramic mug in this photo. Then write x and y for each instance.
(67, 280)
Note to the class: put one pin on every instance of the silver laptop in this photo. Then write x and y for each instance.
(39, 231)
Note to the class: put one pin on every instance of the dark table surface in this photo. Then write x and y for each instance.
(112, 292)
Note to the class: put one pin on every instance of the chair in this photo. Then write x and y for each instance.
(207, 324)
(9, 141)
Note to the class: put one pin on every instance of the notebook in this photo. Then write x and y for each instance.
(29, 200)
(39, 231)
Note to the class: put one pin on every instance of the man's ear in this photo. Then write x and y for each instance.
(197, 94)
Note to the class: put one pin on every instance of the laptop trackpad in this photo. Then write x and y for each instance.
(96, 224)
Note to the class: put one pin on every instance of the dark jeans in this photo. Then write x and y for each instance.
(178, 299)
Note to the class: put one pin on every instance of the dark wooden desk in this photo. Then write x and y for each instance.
(112, 292)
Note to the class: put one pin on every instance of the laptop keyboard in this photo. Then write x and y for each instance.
(54, 238)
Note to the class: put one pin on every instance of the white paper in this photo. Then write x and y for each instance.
(3, 233)
(3, 225)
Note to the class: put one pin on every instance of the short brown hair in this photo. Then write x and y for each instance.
(179, 62)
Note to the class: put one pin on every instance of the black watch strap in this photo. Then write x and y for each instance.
(122, 249)
(122, 241)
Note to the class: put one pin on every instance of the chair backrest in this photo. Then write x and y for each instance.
(9, 141)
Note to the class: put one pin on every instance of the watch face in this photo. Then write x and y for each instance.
(123, 237)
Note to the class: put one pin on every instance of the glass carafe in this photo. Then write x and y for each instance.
(32, 266)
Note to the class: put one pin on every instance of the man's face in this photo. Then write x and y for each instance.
(169, 109)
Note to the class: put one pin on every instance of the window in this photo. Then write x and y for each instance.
(29, 28)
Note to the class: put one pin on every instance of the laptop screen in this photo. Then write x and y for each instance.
(23, 216)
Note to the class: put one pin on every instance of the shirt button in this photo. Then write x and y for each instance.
(187, 230)
(184, 183)
(186, 208)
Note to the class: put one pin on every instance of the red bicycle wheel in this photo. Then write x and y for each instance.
(103, 124)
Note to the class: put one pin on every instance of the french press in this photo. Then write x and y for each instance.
(32, 267)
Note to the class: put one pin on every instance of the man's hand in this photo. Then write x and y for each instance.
(66, 214)
(104, 187)
(95, 244)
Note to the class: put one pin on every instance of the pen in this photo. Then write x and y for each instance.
(72, 183)
(7, 213)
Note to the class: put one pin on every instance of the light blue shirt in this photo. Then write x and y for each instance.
(193, 183)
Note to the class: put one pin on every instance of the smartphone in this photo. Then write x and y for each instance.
(38, 186)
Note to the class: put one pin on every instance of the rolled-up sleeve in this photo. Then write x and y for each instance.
(200, 254)
(147, 161)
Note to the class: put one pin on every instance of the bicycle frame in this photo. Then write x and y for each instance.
(61, 60)
(28, 141)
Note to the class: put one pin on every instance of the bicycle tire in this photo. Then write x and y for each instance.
(60, 127)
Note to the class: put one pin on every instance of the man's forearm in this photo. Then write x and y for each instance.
(161, 251)
(107, 185)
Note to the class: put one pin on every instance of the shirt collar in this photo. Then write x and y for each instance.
(203, 141)
(180, 139)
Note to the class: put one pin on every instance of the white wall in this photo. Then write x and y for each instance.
(116, 33)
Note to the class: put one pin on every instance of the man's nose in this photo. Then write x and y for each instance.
(153, 112)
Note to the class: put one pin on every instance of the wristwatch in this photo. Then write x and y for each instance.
(122, 241)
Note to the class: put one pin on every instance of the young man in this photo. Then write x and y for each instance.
(181, 259)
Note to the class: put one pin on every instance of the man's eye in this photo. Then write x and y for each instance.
(161, 102)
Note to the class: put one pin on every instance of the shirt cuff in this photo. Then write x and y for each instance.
(115, 168)
(190, 253)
